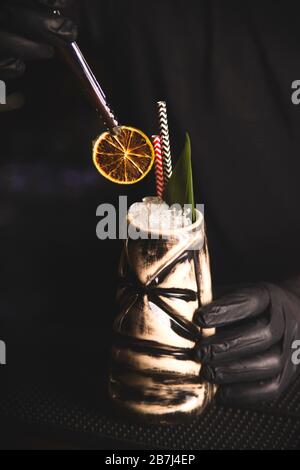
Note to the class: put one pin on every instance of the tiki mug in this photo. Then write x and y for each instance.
(164, 279)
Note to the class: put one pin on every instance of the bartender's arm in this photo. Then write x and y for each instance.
(253, 355)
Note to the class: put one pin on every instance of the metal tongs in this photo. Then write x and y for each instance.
(75, 58)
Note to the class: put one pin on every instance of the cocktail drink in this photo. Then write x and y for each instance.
(164, 278)
(164, 272)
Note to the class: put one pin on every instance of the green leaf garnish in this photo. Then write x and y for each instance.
(179, 189)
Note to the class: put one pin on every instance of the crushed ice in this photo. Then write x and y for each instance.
(155, 214)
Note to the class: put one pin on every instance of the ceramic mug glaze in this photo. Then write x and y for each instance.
(163, 281)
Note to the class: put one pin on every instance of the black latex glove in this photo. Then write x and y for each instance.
(250, 355)
(29, 30)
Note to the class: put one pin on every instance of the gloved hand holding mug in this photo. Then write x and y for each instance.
(251, 356)
(30, 30)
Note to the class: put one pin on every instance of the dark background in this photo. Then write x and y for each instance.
(225, 70)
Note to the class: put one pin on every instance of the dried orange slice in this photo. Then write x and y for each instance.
(125, 157)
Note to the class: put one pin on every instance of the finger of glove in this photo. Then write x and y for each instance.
(41, 26)
(260, 367)
(258, 392)
(248, 394)
(244, 303)
(12, 45)
(238, 342)
(11, 68)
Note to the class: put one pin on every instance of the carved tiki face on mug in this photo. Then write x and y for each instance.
(164, 279)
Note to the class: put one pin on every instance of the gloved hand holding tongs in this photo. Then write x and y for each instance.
(31, 30)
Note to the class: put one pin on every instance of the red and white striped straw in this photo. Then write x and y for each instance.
(159, 171)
